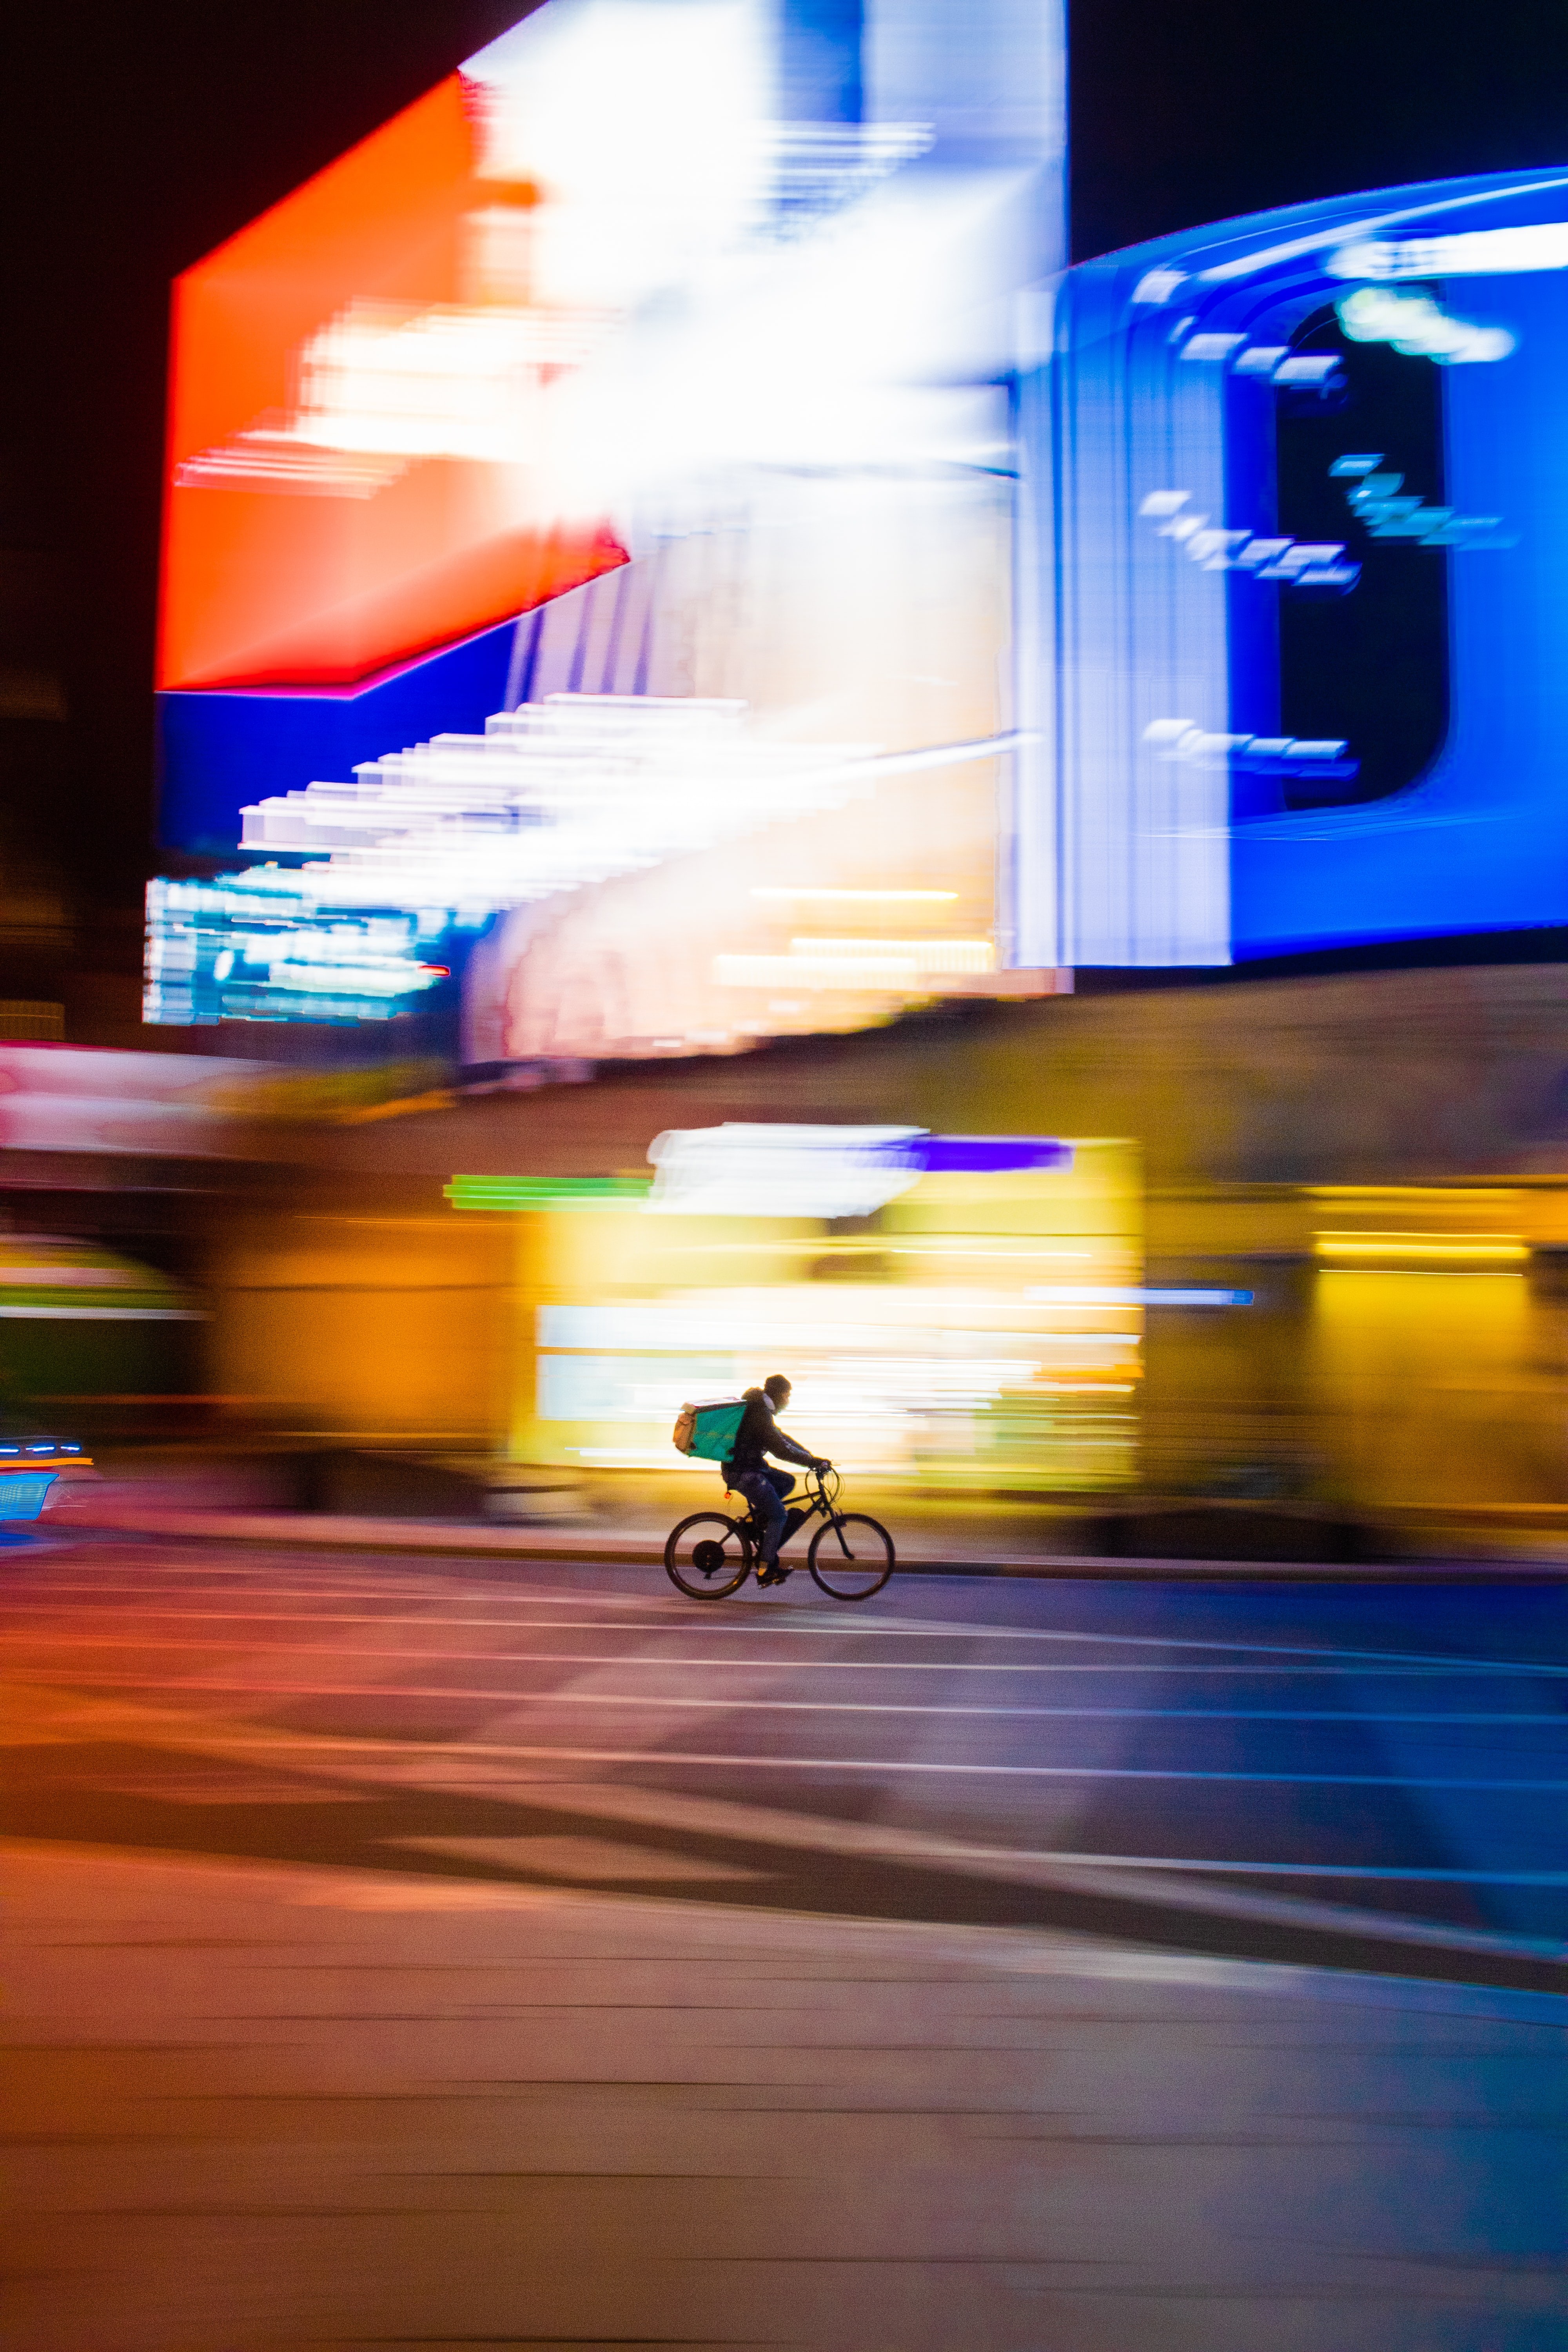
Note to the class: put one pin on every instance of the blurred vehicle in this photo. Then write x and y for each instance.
(29, 1468)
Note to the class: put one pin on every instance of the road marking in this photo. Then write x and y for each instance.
(588, 1859)
(632, 1661)
(1419, 1668)
(543, 1661)
(776, 1618)
(1365, 1662)
(783, 1763)
(747, 1823)
(1317, 1870)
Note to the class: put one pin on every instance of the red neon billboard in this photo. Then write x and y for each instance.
(360, 465)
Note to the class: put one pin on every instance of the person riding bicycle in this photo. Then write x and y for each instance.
(747, 1472)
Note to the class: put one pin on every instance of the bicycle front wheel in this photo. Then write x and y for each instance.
(708, 1556)
(851, 1557)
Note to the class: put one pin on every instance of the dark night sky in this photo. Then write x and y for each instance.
(134, 137)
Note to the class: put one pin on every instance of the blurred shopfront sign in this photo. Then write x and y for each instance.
(90, 1099)
(958, 1310)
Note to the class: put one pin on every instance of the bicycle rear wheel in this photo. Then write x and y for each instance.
(851, 1557)
(708, 1556)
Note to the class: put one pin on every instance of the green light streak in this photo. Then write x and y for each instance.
(515, 1192)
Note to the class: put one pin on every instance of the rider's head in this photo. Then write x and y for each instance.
(776, 1387)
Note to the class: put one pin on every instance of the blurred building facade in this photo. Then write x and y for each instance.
(367, 1264)
(420, 1276)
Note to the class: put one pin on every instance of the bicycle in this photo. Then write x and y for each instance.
(710, 1554)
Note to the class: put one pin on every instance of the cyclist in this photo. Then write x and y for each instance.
(746, 1472)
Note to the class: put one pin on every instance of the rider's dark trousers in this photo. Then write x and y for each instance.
(766, 1489)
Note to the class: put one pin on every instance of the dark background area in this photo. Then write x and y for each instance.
(133, 139)
(1189, 110)
(1372, 668)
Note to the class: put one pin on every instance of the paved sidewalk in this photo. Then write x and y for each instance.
(284, 2110)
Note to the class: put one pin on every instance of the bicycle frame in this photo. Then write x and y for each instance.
(820, 1500)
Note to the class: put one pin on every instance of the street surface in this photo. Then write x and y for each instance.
(422, 1952)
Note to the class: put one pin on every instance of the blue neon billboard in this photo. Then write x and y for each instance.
(1299, 567)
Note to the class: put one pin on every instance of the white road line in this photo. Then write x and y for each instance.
(779, 1617)
(516, 1698)
(663, 1702)
(543, 1661)
(1142, 1670)
(1316, 1870)
(770, 1622)
(675, 1758)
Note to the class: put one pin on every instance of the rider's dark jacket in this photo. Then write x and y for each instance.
(760, 1434)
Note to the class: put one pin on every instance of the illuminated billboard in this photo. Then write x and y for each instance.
(1297, 559)
(981, 1325)
(352, 478)
(662, 357)
(656, 545)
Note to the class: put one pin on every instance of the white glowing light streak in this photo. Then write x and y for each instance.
(381, 387)
(1268, 257)
(447, 383)
(890, 1373)
(769, 1319)
(1089, 1295)
(878, 897)
(1419, 326)
(939, 955)
(595, 1387)
(746, 1170)
(1157, 286)
(777, 1319)
(856, 963)
(556, 795)
(642, 123)
(1471, 253)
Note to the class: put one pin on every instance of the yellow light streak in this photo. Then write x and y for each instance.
(856, 964)
(863, 1245)
(970, 955)
(1433, 1196)
(860, 897)
(1495, 1247)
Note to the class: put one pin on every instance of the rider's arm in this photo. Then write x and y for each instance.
(788, 1449)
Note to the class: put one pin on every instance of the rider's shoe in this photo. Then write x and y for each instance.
(775, 1575)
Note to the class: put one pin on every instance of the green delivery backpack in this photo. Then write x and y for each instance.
(709, 1430)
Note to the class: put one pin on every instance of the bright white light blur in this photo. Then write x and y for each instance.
(551, 796)
(446, 383)
(643, 124)
(1417, 326)
(887, 1377)
(870, 343)
(1157, 286)
(1471, 253)
(643, 131)
(904, 1376)
(742, 1169)
(875, 897)
(896, 965)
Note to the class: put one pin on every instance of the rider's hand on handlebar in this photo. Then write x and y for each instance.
(821, 1464)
